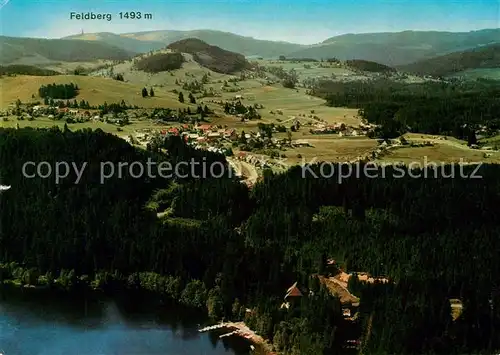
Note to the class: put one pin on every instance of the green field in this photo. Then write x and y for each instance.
(313, 72)
(438, 153)
(292, 103)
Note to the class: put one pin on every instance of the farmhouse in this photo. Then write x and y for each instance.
(293, 291)
(293, 294)
(230, 133)
(213, 135)
(173, 131)
(204, 128)
(301, 143)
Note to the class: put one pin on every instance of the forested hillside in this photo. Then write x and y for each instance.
(26, 70)
(160, 62)
(14, 48)
(398, 48)
(366, 65)
(211, 57)
(455, 109)
(223, 248)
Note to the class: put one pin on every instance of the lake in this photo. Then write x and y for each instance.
(34, 322)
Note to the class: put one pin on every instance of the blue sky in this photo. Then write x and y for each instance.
(300, 21)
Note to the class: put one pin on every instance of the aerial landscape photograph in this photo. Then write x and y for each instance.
(238, 177)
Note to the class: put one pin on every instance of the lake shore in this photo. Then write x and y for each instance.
(242, 330)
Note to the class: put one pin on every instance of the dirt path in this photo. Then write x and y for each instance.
(337, 288)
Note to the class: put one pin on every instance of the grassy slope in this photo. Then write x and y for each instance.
(275, 97)
(438, 153)
(95, 90)
(326, 147)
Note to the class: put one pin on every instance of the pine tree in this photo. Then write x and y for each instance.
(151, 93)
(243, 139)
(192, 99)
(181, 97)
(144, 92)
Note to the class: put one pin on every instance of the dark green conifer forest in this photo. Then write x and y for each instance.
(223, 248)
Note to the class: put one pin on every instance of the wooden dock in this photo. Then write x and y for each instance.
(235, 332)
(213, 327)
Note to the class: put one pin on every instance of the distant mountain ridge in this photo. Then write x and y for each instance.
(399, 48)
(389, 48)
(18, 50)
(154, 40)
(129, 44)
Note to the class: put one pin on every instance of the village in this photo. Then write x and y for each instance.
(262, 146)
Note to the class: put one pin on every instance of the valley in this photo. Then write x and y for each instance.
(302, 126)
(291, 248)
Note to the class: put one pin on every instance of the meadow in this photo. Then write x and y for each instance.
(280, 106)
(439, 153)
(95, 90)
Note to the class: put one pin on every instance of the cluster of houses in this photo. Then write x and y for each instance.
(50, 112)
(201, 133)
(342, 130)
(202, 136)
(259, 162)
(295, 293)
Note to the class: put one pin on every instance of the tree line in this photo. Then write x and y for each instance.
(58, 91)
(456, 109)
(160, 62)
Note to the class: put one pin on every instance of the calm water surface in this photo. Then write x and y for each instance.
(33, 322)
